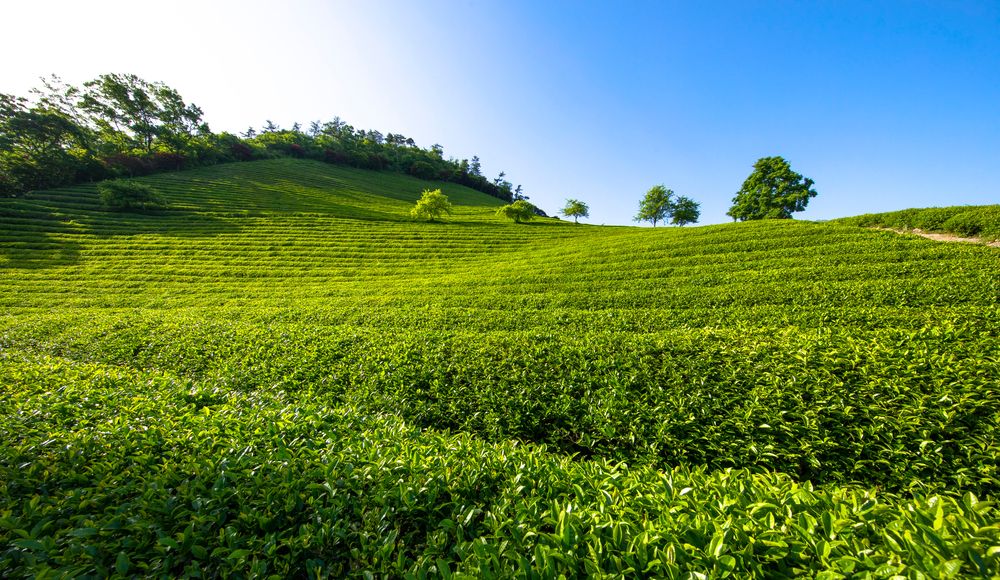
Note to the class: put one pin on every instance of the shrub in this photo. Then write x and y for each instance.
(167, 161)
(983, 222)
(422, 170)
(519, 211)
(125, 194)
(241, 151)
(933, 218)
(131, 165)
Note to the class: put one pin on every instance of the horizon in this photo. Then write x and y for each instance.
(885, 106)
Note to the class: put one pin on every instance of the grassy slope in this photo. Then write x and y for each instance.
(981, 221)
(285, 289)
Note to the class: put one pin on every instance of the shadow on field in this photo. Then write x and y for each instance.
(169, 222)
(36, 239)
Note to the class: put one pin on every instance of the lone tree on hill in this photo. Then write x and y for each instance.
(685, 211)
(519, 211)
(431, 205)
(575, 209)
(773, 191)
(657, 206)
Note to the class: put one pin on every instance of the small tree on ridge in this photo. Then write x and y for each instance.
(431, 205)
(685, 211)
(519, 211)
(575, 208)
(657, 206)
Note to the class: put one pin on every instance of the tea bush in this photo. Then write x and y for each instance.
(970, 221)
(126, 194)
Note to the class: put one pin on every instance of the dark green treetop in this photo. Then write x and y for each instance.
(685, 211)
(773, 191)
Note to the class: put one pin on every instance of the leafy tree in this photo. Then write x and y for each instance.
(773, 191)
(656, 206)
(431, 205)
(575, 209)
(39, 146)
(685, 211)
(519, 211)
(125, 195)
(131, 113)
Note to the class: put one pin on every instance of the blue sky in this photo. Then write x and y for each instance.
(886, 105)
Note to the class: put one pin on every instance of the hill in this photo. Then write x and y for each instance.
(976, 221)
(284, 374)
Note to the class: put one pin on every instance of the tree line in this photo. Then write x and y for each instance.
(119, 125)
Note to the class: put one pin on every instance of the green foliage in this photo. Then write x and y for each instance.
(126, 194)
(285, 375)
(963, 220)
(519, 211)
(39, 147)
(685, 211)
(119, 125)
(181, 477)
(132, 113)
(656, 206)
(773, 191)
(575, 209)
(431, 205)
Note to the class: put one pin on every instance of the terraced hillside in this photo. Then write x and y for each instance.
(284, 374)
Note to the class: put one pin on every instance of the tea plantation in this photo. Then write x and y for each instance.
(283, 374)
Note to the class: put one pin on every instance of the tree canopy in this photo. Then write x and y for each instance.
(656, 206)
(575, 209)
(685, 211)
(519, 211)
(772, 191)
(431, 205)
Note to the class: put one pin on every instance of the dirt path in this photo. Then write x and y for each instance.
(943, 237)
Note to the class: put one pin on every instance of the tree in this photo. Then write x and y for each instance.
(519, 211)
(656, 206)
(39, 146)
(431, 205)
(773, 191)
(131, 113)
(685, 211)
(575, 208)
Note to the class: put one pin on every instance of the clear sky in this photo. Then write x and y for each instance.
(886, 105)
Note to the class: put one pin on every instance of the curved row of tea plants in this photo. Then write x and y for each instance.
(828, 405)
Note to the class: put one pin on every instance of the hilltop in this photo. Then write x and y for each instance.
(283, 373)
